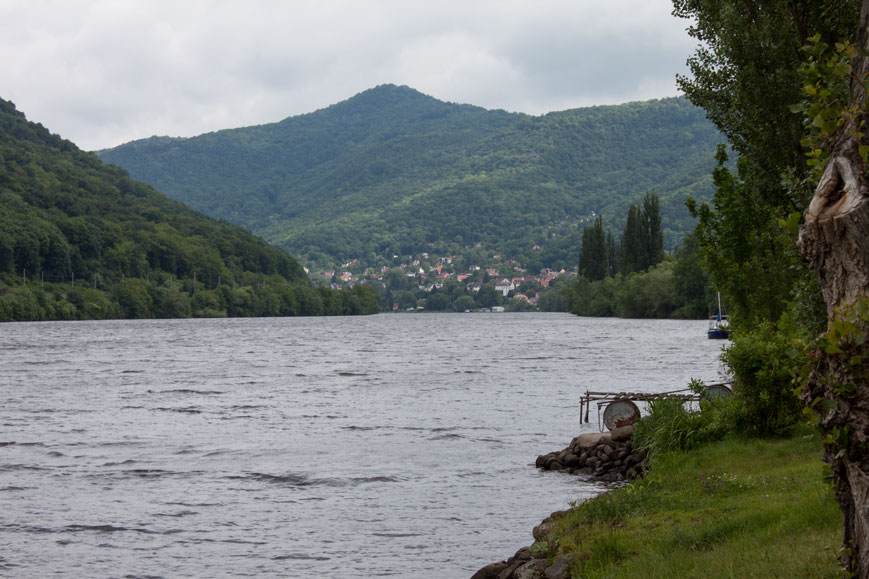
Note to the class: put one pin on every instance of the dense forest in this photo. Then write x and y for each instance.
(394, 172)
(80, 239)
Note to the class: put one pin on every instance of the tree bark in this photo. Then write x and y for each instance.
(834, 242)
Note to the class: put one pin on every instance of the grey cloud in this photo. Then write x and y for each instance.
(102, 73)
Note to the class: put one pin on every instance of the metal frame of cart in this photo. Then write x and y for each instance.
(605, 399)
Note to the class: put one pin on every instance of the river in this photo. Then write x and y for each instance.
(396, 445)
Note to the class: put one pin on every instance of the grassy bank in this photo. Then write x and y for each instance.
(736, 508)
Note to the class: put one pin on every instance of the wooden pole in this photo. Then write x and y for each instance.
(581, 404)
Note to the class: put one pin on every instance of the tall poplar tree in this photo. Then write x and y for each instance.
(593, 264)
(653, 235)
(613, 254)
(633, 245)
(643, 240)
(745, 74)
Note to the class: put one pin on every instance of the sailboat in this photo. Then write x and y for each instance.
(719, 326)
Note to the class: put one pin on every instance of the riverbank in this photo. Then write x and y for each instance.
(737, 508)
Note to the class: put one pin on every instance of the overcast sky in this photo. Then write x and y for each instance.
(104, 72)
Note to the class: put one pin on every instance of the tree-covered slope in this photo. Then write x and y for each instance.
(391, 171)
(69, 222)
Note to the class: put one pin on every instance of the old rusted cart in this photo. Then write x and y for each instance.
(615, 409)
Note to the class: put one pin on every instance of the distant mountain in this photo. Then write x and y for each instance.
(392, 171)
(81, 239)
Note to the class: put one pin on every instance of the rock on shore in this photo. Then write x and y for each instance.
(607, 456)
(523, 565)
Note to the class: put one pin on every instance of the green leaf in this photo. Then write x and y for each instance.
(792, 224)
(829, 404)
(848, 388)
(842, 69)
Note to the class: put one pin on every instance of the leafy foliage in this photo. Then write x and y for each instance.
(826, 74)
(840, 361)
(690, 281)
(747, 76)
(768, 362)
(80, 239)
(749, 257)
(394, 172)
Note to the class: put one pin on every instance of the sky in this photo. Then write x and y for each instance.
(104, 72)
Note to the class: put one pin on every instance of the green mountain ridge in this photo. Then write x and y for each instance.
(80, 239)
(392, 171)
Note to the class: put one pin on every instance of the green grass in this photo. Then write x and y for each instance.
(736, 508)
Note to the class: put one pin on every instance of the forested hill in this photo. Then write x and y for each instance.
(392, 171)
(81, 239)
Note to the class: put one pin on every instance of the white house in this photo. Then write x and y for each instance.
(504, 286)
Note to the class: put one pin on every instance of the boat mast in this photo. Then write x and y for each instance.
(719, 306)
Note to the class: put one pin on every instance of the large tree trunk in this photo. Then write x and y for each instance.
(834, 241)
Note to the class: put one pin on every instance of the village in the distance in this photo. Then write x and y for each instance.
(426, 282)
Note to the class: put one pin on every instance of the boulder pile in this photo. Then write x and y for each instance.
(608, 456)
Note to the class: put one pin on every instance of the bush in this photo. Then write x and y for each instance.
(647, 295)
(133, 298)
(766, 363)
(23, 304)
(671, 426)
(92, 304)
(593, 298)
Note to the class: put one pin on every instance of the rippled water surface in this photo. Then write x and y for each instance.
(392, 445)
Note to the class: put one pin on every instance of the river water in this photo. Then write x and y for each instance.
(389, 445)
